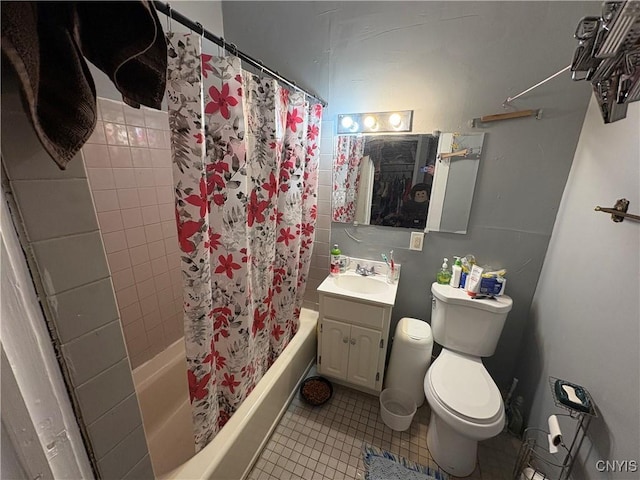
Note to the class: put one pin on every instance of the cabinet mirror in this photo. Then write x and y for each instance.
(417, 181)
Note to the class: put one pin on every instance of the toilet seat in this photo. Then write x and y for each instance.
(462, 385)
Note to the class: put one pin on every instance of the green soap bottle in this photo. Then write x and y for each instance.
(443, 276)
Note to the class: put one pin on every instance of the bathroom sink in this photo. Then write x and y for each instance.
(370, 289)
(360, 284)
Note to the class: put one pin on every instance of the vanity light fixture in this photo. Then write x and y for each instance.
(370, 122)
(378, 122)
(346, 122)
(395, 120)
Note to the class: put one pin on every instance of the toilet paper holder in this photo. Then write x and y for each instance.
(544, 454)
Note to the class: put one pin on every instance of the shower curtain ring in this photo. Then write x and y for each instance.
(201, 28)
(169, 17)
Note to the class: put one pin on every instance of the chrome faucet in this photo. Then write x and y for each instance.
(364, 272)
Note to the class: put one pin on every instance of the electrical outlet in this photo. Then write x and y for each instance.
(417, 239)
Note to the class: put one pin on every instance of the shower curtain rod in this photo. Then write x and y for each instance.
(166, 9)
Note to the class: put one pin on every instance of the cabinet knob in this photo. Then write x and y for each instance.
(353, 341)
(345, 340)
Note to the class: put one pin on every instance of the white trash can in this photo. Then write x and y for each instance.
(397, 409)
(410, 358)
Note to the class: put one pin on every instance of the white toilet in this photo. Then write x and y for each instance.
(466, 405)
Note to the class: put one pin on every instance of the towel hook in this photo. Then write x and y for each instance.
(619, 211)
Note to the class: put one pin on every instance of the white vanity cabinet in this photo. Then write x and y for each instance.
(352, 342)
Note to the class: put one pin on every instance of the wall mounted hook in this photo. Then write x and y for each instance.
(619, 211)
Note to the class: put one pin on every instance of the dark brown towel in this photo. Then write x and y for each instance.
(45, 43)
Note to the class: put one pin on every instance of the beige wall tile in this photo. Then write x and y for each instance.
(160, 158)
(106, 200)
(137, 137)
(142, 272)
(119, 156)
(101, 178)
(147, 196)
(139, 254)
(114, 241)
(96, 156)
(135, 237)
(98, 135)
(123, 279)
(133, 116)
(130, 314)
(111, 111)
(116, 134)
(156, 119)
(124, 178)
(128, 198)
(150, 214)
(119, 260)
(146, 288)
(131, 217)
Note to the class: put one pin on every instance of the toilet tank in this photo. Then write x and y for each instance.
(465, 325)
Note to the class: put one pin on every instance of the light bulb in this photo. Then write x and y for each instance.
(355, 127)
(370, 122)
(346, 122)
(395, 120)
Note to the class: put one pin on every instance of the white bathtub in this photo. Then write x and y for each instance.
(163, 393)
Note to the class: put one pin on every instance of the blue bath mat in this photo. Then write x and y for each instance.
(384, 465)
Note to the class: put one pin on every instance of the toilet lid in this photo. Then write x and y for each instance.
(464, 386)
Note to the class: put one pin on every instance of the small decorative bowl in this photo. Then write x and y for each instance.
(316, 390)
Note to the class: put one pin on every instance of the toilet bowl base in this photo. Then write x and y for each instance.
(453, 452)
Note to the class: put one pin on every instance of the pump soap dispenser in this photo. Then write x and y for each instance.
(444, 275)
(456, 273)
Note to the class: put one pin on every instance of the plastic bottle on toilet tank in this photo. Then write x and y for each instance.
(456, 272)
(443, 276)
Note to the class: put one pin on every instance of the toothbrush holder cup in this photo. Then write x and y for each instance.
(393, 274)
(344, 262)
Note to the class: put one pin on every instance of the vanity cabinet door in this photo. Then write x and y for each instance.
(364, 351)
(334, 350)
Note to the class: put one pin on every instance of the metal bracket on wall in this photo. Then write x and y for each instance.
(619, 211)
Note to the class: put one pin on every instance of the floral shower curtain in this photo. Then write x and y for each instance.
(346, 177)
(245, 156)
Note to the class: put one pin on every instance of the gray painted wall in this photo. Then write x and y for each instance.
(584, 324)
(449, 62)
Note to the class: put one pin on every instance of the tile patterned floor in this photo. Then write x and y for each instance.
(325, 443)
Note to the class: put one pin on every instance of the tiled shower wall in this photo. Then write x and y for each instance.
(320, 256)
(62, 243)
(128, 162)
